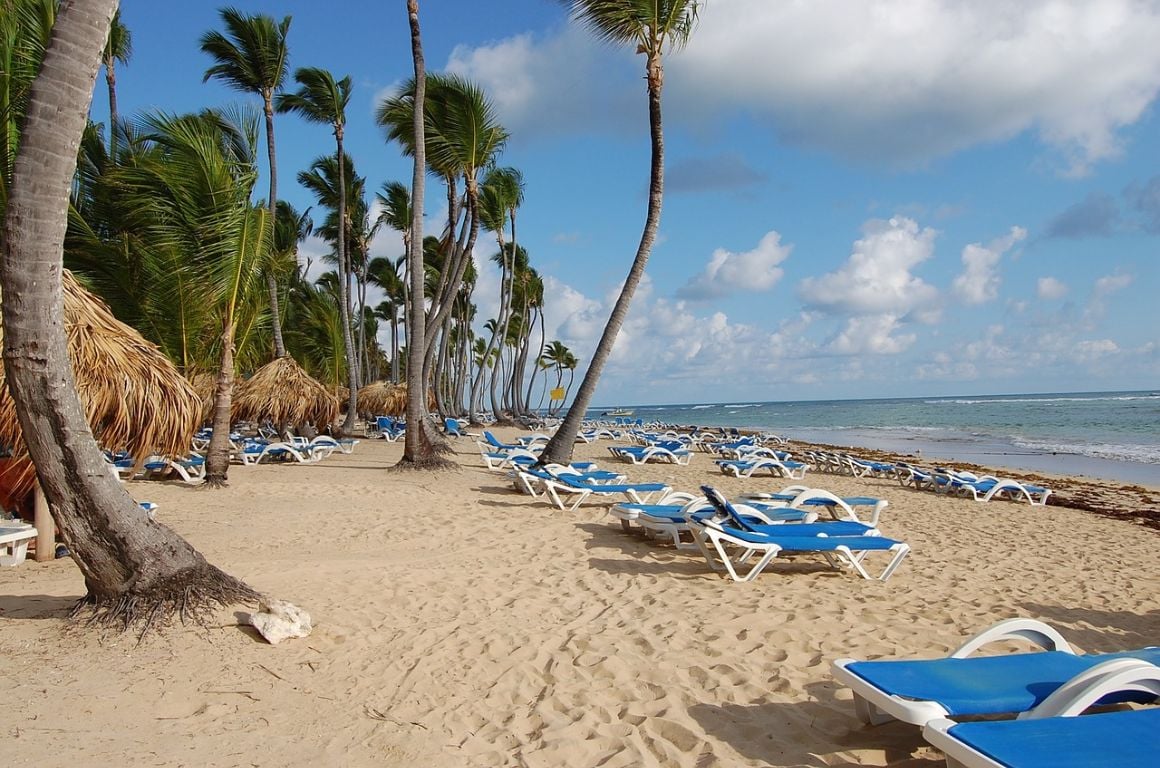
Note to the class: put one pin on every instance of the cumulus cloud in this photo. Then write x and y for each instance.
(1096, 216)
(1050, 288)
(915, 80)
(727, 272)
(877, 278)
(979, 281)
(559, 85)
(878, 81)
(871, 334)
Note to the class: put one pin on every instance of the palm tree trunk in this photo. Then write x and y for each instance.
(111, 84)
(271, 280)
(560, 447)
(133, 568)
(344, 292)
(217, 457)
(417, 449)
(536, 367)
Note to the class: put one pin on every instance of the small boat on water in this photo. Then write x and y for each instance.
(618, 412)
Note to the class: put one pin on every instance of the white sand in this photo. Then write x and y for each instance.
(460, 624)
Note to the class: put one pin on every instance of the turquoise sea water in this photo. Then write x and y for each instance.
(1111, 435)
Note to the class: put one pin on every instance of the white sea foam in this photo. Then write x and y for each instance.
(1146, 454)
(1030, 399)
(699, 407)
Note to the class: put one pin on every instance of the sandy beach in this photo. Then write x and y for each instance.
(458, 623)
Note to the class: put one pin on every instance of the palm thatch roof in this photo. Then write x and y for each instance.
(135, 399)
(205, 385)
(385, 399)
(282, 392)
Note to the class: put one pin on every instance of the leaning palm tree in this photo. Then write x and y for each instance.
(322, 99)
(119, 47)
(133, 569)
(651, 26)
(252, 58)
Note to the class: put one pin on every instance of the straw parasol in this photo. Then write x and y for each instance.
(385, 399)
(205, 385)
(282, 392)
(135, 399)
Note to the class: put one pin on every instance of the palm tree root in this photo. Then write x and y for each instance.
(191, 595)
(426, 463)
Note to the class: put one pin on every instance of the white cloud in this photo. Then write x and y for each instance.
(556, 85)
(727, 272)
(895, 82)
(1101, 290)
(1050, 288)
(876, 279)
(979, 281)
(872, 334)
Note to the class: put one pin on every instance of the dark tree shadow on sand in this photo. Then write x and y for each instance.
(36, 606)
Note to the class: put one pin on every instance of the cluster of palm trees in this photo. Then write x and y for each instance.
(163, 222)
(215, 281)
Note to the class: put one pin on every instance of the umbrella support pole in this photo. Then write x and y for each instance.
(45, 528)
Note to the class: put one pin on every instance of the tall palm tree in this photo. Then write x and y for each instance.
(253, 57)
(132, 569)
(417, 448)
(650, 27)
(119, 47)
(384, 273)
(322, 99)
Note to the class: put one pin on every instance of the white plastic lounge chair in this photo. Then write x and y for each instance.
(985, 489)
(643, 454)
(918, 691)
(749, 466)
(567, 487)
(668, 517)
(1053, 734)
(839, 508)
(14, 538)
(731, 542)
(190, 469)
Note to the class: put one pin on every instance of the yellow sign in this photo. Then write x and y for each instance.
(557, 394)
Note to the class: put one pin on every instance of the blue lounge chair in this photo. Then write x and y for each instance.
(669, 516)
(718, 537)
(751, 465)
(1120, 739)
(567, 486)
(918, 691)
(1053, 735)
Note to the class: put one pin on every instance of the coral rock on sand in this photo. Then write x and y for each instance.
(278, 620)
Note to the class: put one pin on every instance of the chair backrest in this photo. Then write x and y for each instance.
(451, 427)
(724, 508)
(491, 439)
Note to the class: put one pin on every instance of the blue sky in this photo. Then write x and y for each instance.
(865, 198)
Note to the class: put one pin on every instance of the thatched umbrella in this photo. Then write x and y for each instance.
(135, 399)
(282, 392)
(385, 399)
(205, 385)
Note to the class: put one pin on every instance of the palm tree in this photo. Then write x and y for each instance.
(119, 47)
(322, 99)
(132, 569)
(253, 58)
(417, 448)
(650, 26)
(384, 273)
(198, 192)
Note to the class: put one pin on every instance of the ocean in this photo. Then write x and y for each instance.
(1108, 435)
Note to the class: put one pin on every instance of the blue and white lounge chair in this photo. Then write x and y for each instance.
(565, 486)
(643, 454)
(840, 508)
(751, 465)
(719, 538)
(918, 691)
(669, 516)
(1053, 735)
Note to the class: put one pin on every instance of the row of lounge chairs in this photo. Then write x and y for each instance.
(1048, 690)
